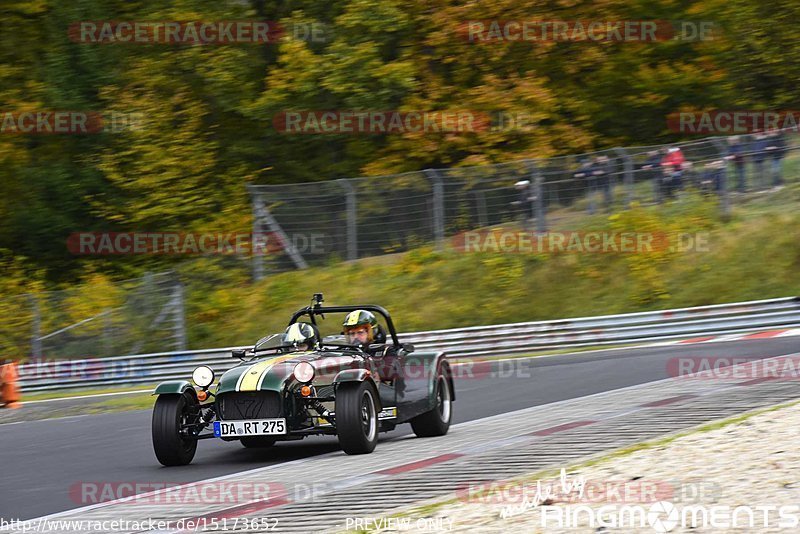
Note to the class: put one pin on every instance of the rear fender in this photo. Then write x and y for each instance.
(418, 392)
(440, 363)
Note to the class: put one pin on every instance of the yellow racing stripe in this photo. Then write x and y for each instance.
(252, 377)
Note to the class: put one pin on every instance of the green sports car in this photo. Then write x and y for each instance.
(353, 385)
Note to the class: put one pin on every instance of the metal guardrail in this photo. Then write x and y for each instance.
(469, 342)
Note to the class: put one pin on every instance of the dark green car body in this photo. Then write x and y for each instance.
(394, 384)
(405, 383)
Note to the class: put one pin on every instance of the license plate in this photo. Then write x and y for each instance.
(256, 427)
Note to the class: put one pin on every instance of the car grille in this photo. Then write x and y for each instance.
(249, 405)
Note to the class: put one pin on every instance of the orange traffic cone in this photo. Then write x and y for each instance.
(9, 390)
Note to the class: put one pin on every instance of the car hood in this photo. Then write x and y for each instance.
(273, 372)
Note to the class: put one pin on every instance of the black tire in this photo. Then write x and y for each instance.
(437, 421)
(356, 418)
(258, 442)
(169, 413)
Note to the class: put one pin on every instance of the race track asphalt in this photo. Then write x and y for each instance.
(43, 463)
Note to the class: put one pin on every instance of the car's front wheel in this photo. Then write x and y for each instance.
(171, 441)
(436, 422)
(356, 417)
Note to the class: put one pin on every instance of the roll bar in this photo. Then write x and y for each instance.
(317, 308)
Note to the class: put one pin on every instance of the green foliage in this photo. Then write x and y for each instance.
(208, 110)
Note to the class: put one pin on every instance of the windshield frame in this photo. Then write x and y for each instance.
(318, 310)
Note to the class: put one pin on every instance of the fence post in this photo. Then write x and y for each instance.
(257, 251)
(148, 290)
(627, 164)
(180, 319)
(536, 195)
(107, 335)
(438, 207)
(36, 327)
(725, 199)
(352, 226)
(480, 204)
(540, 210)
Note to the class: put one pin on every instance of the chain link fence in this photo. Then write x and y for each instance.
(369, 216)
(131, 317)
(347, 219)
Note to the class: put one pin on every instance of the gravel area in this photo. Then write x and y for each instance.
(752, 462)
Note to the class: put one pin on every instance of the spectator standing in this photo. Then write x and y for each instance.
(776, 148)
(672, 165)
(601, 176)
(583, 175)
(650, 171)
(758, 152)
(737, 156)
(711, 181)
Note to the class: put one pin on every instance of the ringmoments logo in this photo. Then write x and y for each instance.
(665, 516)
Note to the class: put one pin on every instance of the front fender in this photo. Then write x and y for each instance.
(358, 375)
(175, 386)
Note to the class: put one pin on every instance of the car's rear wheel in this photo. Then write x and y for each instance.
(356, 418)
(436, 422)
(171, 440)
(258, 442)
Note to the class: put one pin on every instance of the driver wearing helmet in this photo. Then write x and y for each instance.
(359, 328)
(301, 336)
(362, 330)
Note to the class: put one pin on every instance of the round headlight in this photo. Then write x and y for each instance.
(304, 372)
(203, 376)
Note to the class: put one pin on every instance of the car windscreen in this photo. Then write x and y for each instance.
(272, 341)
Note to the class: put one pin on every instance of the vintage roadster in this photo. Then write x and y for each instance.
(298, 384)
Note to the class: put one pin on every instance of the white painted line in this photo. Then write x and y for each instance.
(137, 392)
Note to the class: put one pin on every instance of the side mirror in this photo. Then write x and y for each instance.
(238, 353)
(408, 347)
